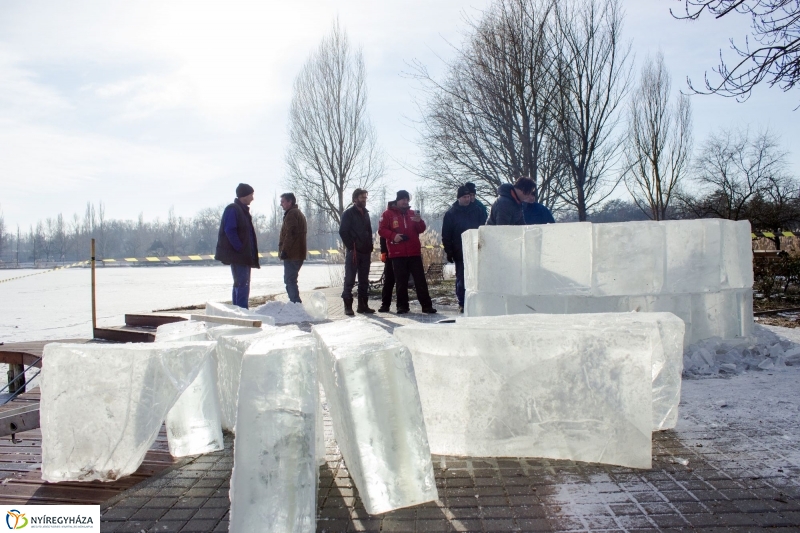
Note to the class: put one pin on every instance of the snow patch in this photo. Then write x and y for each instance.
(769, 348)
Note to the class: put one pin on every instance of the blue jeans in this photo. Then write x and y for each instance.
(241, 285)
(290, 271)
(460, 287)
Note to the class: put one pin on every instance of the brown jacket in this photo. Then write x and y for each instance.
(293, 235)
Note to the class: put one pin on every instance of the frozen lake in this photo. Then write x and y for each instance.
(57, 305)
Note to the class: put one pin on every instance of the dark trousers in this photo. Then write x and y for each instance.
(460, 288)
(403, 266)
(388, 284)
(291, 269)
(241, 285)
(356, 264)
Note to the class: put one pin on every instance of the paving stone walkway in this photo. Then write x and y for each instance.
(720, 470)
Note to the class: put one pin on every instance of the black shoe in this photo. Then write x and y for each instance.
(348, 306)
(383, 308)
(363, 306)
(402, 311)
(461, 309)
(429, 310)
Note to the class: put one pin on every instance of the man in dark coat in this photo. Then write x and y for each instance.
(401, 227)
(237, 245)
(473, 192)
(355, 230)
(388, 274)
(292, 248)
(507, 209)
(463, 215)
(536, 213)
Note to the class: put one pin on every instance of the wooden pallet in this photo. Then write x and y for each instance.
(20, 469)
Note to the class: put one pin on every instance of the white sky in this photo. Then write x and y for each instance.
(147, 105)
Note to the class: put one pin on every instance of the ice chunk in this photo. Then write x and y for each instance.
(234, 311)
(737, 254)
(693, 250)
(523, 386)
(232, 342)
(274, 480)
(102, 405)
(369, 382)
(469, 245)
(194, 424)
(500, 258)
(558, 259)
(629, 258)
(316, 305)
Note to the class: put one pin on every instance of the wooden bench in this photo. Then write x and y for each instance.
(376, 275)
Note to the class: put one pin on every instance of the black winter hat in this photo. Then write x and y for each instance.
(403, 194)
(471, 187)
(463, 190)
(243, 190)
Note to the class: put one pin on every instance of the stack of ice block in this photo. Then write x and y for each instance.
(274, 480)
(234, 311)
(102, 405)
(574, 387)
(700, 270)
(194, 423)
(369, 382)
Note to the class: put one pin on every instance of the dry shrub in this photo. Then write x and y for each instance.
(435, 254)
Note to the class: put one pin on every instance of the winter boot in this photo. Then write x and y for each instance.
(348, 306)
(363, 306)
(384, 308)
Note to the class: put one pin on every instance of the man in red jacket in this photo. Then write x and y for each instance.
(401, 227)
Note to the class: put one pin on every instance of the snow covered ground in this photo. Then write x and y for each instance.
(57, 305)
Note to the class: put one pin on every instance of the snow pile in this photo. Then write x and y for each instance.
(285, 312)
(769, 348)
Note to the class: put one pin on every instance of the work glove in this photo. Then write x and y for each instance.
(383, 257)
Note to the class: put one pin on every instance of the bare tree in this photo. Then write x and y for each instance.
(488, 121)
(659, 141)
(732, 168)
(592, 77)
(3, 234)
(332, 145)
(775, 54)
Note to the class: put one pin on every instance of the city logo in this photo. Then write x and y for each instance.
(16, 518)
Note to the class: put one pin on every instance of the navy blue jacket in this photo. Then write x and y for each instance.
(236, 240)
(537, 213)
(457, 220)
(506, 210)
(355, 229)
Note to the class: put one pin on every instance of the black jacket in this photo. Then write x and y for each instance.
(356, 230)
(457, 220)
(506, 211)
(226, 253)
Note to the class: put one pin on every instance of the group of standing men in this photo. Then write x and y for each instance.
(399, 230)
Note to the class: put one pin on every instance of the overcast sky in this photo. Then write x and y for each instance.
(148, 105)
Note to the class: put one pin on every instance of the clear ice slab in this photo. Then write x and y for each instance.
(371, 389)
(275, 472)
(102, 405)
(194, 424)
(576, 387)
(234, 311)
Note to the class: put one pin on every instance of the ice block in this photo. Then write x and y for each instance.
(274, 480)
(102, 405)
(369, 382)
(576, 387)
(234, 311)
(194, 424)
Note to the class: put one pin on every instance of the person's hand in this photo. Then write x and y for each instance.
(383, 257)
(450, 258)
(283, 255)
(398, 238)
(415, 218)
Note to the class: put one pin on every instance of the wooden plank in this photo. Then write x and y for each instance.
(124, 334)
(27, 352)
(19, 420)
(151, 320)
(244, 322)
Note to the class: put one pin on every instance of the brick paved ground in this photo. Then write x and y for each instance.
(733, 464)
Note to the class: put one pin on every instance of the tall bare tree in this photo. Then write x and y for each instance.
(332, 145)
(592, 77)
(488, 121)
(3, 235)
(773, 55)
(659, 141)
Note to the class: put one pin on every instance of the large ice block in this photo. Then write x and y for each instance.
(232, 342)
(574, 387)
(102, 405)
(234, 311)
(274, 480)
(194, 424)
(369, 382)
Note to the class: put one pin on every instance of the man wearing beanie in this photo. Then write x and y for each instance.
(473, 199)
(401, 227)
(464, 214)
(237, 245)
(292, 244)
(356, 233)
